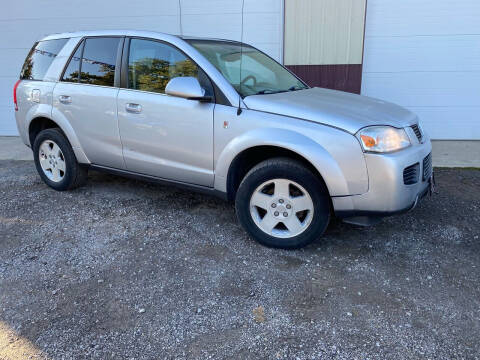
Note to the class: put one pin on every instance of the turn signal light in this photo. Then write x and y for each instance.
(368, 140)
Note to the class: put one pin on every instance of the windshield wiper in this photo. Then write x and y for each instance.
(295, 87)
(269, 91)
(266, 91)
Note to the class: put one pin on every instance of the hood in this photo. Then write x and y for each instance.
(343, 110)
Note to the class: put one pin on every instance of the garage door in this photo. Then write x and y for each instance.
(26, 21)
(425, 55)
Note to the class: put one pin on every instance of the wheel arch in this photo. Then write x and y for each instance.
(38, 124)
(252, 156)
(241, 154)
(42, 121)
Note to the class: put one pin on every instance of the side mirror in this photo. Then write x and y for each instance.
(186, 87)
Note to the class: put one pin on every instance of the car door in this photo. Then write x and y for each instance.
(164, 136)
(86, 95)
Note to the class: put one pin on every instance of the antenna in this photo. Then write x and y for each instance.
(180, 16)
(239, 109)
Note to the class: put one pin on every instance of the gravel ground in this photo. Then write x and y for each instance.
(126, 269)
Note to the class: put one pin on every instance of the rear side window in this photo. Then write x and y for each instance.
(40, 58)
(98, 61)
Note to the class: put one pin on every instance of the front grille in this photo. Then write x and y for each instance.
(417, 132)
(427, 167)
(410, 174)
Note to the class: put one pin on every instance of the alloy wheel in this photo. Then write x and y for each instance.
(281, 208)
(52, 161)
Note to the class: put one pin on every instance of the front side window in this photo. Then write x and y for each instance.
(151, 65)
(247, 69)
(99, 60)
(40, 58)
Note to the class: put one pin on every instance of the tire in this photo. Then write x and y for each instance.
(56, 162)
(261, 201)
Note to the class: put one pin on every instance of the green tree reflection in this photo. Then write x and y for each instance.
(153, 74)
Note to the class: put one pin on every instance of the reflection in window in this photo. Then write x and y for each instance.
(40, 58)
(98, 62)
(260, 74)
(152, 64)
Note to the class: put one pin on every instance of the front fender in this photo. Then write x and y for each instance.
(326, 163)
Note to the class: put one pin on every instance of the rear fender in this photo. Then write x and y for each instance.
(49, 112)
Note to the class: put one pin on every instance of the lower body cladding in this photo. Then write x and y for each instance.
(397, 181)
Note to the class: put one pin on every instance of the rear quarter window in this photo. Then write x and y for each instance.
(40, 58)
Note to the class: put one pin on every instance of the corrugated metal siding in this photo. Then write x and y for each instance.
(426, 56)
(324, 42)
(24, 22)
(263, 22)
(324, 32)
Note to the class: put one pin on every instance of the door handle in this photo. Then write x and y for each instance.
(65, 99)
(133, 108)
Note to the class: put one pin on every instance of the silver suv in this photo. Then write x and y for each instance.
(220, 117)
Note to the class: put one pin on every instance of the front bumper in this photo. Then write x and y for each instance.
(388, 194)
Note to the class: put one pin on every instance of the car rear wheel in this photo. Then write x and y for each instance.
(56, 162)
(282, 204)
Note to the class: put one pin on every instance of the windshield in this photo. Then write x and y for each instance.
(258, 73)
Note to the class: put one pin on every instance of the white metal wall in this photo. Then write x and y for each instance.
(425, 55)
(23, 22)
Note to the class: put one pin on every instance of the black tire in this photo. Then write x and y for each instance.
(284, 168)
(75, 174)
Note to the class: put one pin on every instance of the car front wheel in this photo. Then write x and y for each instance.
(282, 204)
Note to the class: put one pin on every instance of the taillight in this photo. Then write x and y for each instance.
(15, 94)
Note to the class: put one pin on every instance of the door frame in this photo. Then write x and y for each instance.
(118, 59)
(218, 95)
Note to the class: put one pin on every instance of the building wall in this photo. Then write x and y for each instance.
(23, 22)
(425, 55)
(324, 42)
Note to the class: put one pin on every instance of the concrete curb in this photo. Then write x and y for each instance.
(450, 153)
(12, 148)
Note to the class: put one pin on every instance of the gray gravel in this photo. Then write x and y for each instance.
(126, 269)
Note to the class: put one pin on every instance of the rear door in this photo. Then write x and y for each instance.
(86, 96)
(164, 136)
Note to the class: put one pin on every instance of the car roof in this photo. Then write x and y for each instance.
(119, 32)
(139, 33)
(186, 38)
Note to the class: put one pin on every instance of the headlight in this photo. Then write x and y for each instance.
(383, 139)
